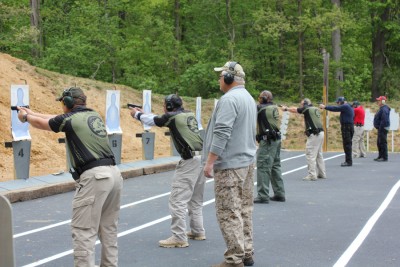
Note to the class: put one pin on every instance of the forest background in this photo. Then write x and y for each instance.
(171, 46)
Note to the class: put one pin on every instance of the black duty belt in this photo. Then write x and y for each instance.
(192, 155)
(315, 131)
(95, 163)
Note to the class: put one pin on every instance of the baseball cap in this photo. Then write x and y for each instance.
(74, 92)
(340, 99)
(381, 98)
(233, 68)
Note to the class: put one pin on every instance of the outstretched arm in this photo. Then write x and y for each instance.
(290, 109)
(37, 120)
(138, 114)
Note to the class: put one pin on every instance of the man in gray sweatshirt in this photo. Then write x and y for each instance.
(228, 154)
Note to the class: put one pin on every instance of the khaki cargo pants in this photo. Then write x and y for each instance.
(95, 213)
(187, 192)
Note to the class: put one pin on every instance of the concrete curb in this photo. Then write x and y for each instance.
(62, 187)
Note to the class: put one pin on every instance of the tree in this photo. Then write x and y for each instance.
(35, 24)
(337, 51)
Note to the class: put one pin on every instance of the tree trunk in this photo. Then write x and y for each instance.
(178, 31)
(282, 54)
(301, 51)
(378, 52)
(231, 28)
(337, 54)
(178, 35)
(35, 23)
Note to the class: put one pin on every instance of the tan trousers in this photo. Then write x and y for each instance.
(234, 206)
(187, 193)
(358, 142)
(315, 160)
(95, 212)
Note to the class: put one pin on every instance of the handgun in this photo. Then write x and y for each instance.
(15, 107)
(133, 106)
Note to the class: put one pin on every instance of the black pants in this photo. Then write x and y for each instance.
(382, 144)
(347, 137)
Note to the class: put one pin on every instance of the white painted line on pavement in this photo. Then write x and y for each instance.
(305, 166)
(68, 221)
(348, 254)
(41, 229)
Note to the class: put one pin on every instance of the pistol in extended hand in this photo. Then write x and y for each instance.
(133, 106)
(15, 107)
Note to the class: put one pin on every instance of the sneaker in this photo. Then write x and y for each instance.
(346, 164)
(173, 242)
(309, 178)
(225, 264)
(193, 236)
(261, 200)
(248, 260)
(321, 177)
(276, 198)
(381, 160)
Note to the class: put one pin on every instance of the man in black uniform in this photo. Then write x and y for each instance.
(382, 124)
(96, 202)
(188, 181)
(346, 126)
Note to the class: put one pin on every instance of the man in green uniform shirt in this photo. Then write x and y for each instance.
(269, 151)
(188, 181)
(97, 198)
(315, 139)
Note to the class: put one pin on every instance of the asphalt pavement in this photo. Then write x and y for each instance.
(349, 219)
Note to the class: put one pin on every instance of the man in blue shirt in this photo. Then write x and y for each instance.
(382, 123)
(346, 126)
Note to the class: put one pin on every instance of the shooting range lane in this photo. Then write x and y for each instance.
(316, 224)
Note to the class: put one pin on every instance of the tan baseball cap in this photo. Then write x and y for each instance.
(233, 68)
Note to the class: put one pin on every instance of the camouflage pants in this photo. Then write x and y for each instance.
(234, 206)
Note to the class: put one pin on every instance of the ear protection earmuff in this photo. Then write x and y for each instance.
(169, 106)
(172, 102)
(68, 100)
(229, 77)
(264, 99)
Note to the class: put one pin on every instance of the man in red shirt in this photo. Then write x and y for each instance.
(358, 137)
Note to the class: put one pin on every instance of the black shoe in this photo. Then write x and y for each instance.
(248, 261)
(278, 198)
(346, 164)
(261, 200)
(377, 159)
(381, 160)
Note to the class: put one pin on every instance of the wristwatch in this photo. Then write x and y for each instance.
(25, 117)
